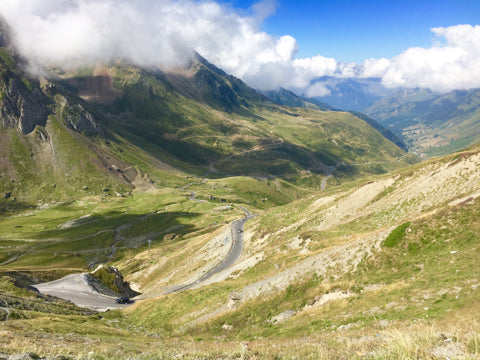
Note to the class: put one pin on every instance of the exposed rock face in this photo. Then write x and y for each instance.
(118, 282)
(80, 120)
(21, 107)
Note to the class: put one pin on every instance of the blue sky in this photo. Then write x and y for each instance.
(354, 30)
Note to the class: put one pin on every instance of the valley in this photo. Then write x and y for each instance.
(243, 227)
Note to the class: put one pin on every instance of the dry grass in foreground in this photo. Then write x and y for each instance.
(454, 338)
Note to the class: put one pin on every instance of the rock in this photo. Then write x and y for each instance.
(234, 299)
(227, 327)
(282, 317)
(312, 302)
(80, 120)
(118, 282)
(23, 105)
(25, 356)
(449, 350)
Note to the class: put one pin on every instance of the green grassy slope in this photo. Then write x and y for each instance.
(122, 127)
(200, 117)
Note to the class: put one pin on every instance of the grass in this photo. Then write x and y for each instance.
(87, 228)
(431, 281)
(372, 323)
(396, 235)
(426, 272)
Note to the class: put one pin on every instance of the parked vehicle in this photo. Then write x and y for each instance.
(123, 300)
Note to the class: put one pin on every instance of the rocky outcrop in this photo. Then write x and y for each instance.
(22, 105)
(108, 280)
(80, 120)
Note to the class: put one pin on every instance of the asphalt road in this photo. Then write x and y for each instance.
(75, 288)
(236, 235)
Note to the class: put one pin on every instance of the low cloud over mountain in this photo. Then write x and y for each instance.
(164, 33)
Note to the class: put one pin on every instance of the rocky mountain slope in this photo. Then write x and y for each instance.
(111, 129)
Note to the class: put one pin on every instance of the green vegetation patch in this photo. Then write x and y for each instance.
(106, 278)
(396, 235)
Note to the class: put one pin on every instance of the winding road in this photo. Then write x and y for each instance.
(75, 287)
(330, 170)
(236, 240)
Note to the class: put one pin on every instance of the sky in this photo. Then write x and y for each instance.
(269, 44)
(355, 30)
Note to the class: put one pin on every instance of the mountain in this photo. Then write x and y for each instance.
(111, 129)
(430, 122)
(385, 132)
(352, 94)
(289, 98)
(206, 118)
(342, 251)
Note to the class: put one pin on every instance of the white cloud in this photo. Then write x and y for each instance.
(449, 66)
(164, 32)
(311, 68)
(374, 67)
(152, 33)
(317, 89)
(263, 9)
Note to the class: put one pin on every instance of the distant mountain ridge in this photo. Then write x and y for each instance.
(352, 93)
(289, 98)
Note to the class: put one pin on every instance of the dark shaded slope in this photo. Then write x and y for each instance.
(385, 132)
